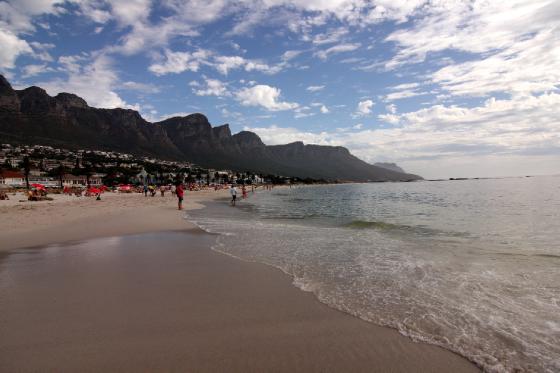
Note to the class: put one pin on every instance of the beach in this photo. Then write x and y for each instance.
(69, 218)
(127, 284)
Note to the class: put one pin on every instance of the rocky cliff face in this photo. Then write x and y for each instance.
(9, 100)
(32, 116)
(389, 166)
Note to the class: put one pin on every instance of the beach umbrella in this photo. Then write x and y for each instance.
(94, 190)
(38, 186)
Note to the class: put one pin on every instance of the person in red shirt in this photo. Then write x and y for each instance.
(180, 191)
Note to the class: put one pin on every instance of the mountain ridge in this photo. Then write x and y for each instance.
(32, 116)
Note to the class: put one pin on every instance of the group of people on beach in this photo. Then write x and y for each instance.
(179, 191)
(244, 194)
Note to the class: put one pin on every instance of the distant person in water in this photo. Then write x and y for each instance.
(180, 193)
(233, 193)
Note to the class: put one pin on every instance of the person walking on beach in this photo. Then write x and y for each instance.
(145, 190)
(233, 193)
(180, 192)
(244, 192)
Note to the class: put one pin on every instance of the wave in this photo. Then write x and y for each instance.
(398, 228)
(540, 255)
(365, 224)
(413, 278)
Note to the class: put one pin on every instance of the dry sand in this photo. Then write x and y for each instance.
(69, 218)
(165, 302)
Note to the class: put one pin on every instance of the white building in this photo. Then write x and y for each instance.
(12, 178)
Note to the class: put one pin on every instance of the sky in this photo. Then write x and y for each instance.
(442, 88)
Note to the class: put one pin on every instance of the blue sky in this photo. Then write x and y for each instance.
(443, 88)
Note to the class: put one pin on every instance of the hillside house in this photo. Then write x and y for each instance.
(81, 180)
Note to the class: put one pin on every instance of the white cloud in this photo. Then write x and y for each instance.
(516, 48)
(403, 86)
(12, 47)
(252, 65)
(392, 10)
(96, 82)
(130, 12)
(529, 66)
(405, 90)
(177, 62)
(498, 138)
(324, 54)
(201, 12)
(72, 64)
(275, 135)
(182, 18)
(40, 51)
(226, 63)
(212, 87)
(153, 117)
(16, 16)
(140, 87)
(264, 96)
(390, 118)
(303, 112)
(145, 36)
(33, 70)
(391, 108)
(407, 93)
(363, 109)
(324, 109)
(331, 36)
(291, 54)
(232, 114)
(315, 88)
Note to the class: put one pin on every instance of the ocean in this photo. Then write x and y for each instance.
(471, 265)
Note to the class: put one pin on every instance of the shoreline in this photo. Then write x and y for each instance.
(133, 215)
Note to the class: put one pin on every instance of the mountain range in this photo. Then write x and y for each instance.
(31, 116)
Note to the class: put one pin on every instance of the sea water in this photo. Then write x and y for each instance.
(472, 265)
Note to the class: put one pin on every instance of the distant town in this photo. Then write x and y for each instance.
(23, 165)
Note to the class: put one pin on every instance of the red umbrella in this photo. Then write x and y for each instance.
(38, 186)
(94, 190)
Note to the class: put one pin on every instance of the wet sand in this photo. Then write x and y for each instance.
(166, 302)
